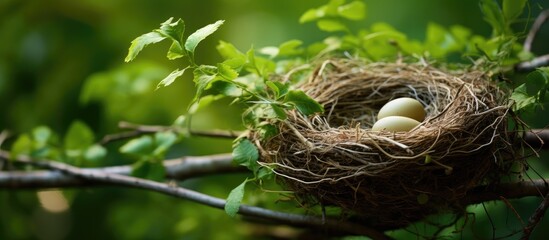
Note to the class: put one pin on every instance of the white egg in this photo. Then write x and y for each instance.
(405, 107)
(395, 124)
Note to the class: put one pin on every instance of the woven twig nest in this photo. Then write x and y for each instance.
(392, 179)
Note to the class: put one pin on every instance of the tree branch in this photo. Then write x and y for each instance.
(181, 168)
(527, 46)
(537, 62)
(179, 192)
(540, 20)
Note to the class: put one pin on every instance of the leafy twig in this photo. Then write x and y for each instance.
(179, 192)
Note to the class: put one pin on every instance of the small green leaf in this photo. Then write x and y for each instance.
(95, 153)
(428, 159)
(290, 48)
(267, 131)
(494, 16)
(304, 104)
(21, 146)
(171, 78)
(140, 42)
(513, 8)
(229, 51)
(279, 112)
(138, 146)
(203, 77)
(234, 200)
(245, 153)
(264, 173)
(175, 51)
(536, 81)
(329, 25)
(41, 135)
(226, 72)
(195, 38)
(173, 30)
(311, 15)
(280, 89)
(163, 142)
(203, 102)
(522, 99)
(79, 136)
(355, 10)
(224, 88)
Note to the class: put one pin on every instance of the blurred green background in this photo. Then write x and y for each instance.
(62, 60)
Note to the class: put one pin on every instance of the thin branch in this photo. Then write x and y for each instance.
(216, 133)
(144, 129)
(179, 169)
(534, 220)
(537, 62)
(179, 192)
(537, 187)
(540, 20)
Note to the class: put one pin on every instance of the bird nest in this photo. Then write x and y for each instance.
(392, 178)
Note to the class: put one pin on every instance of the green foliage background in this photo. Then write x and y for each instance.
(63, 60)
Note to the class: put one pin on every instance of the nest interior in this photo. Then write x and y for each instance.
(391, 178)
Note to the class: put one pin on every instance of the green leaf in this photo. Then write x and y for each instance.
(304, 104)
(494, 16)
(138, 146)
(224, 88)
(535, 82)
(513, 8)
(95, 153)
(153, 170)
(171, 78)
(330, 25)
(226, 72)
(173, 30)
(79, 136)
(290, 48)
(245, 153)
(355, 10)
(280, 89)
(229, 51)
(41, 135)
(168, 80)
(522, 99)
(163, 142)
(203, 102)
(267, 131)
(195, 38)
(21, 146)
(311, 15)
(279, 112)
(140, 42)
(175, 51)
(234, 200)
(203, 76)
